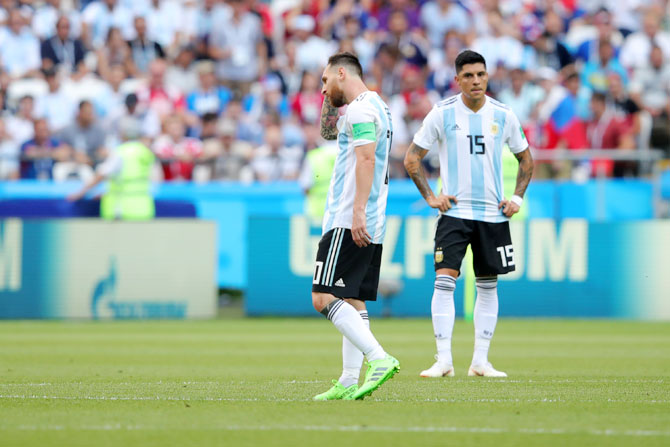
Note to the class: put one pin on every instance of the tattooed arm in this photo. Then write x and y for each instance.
(413, 166)
(523, 176)
(524, 173)
(329, 116)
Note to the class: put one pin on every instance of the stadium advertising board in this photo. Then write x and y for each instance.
(91, 269)
(568, 268)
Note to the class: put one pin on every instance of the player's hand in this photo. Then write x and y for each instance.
(441, 202)
(508, 208)
(358, 231)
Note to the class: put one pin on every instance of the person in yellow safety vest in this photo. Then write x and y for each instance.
(315, 179)
(128, 169)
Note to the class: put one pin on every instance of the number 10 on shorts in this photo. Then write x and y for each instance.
(506, 255)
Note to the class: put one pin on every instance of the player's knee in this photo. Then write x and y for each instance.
(319, 301)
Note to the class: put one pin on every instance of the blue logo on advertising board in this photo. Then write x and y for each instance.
(104, 303)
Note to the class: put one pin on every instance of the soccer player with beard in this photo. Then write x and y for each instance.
(346, 272)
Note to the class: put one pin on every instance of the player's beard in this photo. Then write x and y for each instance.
(337, 97)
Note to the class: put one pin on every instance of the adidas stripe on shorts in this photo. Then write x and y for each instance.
(345, 270)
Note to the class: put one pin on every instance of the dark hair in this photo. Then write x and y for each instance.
(209, 117)
(599, 96)
(347, 60)
(85, 102)
(468, 57)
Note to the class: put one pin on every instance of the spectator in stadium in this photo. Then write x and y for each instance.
(236, 43)
(387, 70)
(650, 89)
(162, 98)
(9, 155)
(306, 104)
(101, 15)
(550, 48)
(85, 136)
(64, 52)
(626, 109)
(588, 50)
(20, 125)
(286, 67)
(273, 161)
(176, 152)
(208, 128)
(440, 17)
(637, 47)
(441, 62)
(207, 14)
(362, 39)
(270, 100)
(410, 106)
(521, 96)
(606, 130)
(182, 73)
(142, 49)
(209, 97)
(413, 49)
(248, 129)
(56, 105)
(136, 115)
(115, 52)
(228, 157)
(19, 48)
(110, 101)
(165, 23)
(406, 8)
(595, 73)
(311, 50)
(39, 154)
(47, 14)
(564, 128)
(499, 48)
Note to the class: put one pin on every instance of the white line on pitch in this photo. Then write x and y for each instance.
(356, 428)
(270, 399)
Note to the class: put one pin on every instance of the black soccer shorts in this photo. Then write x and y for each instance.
(491, 243)
(344, 269)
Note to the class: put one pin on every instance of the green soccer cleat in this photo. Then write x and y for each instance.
(379, 371)
(338, 392)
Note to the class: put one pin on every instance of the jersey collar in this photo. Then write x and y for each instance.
(467, 109)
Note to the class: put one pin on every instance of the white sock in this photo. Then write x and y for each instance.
(486, 317)
(348, 321)
(443, 312)
(352, 357)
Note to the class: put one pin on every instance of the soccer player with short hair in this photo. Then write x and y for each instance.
(470, 130)
(346, 272)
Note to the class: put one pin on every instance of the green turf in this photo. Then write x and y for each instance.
(248, 382)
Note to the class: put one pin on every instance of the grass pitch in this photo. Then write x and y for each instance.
(249, 382)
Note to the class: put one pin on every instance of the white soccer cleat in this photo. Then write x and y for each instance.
(486, 370)
(438, 370)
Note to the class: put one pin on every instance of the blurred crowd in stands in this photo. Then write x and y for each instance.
(230, 90)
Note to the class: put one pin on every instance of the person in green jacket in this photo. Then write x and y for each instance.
(128, 170)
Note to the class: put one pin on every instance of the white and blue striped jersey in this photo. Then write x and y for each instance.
(470, 149)
(367, 120)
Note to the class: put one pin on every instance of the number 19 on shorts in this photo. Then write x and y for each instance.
(506, 255)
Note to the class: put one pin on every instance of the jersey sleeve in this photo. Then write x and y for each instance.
(516, 138)
(362, 124)
(430, 130)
